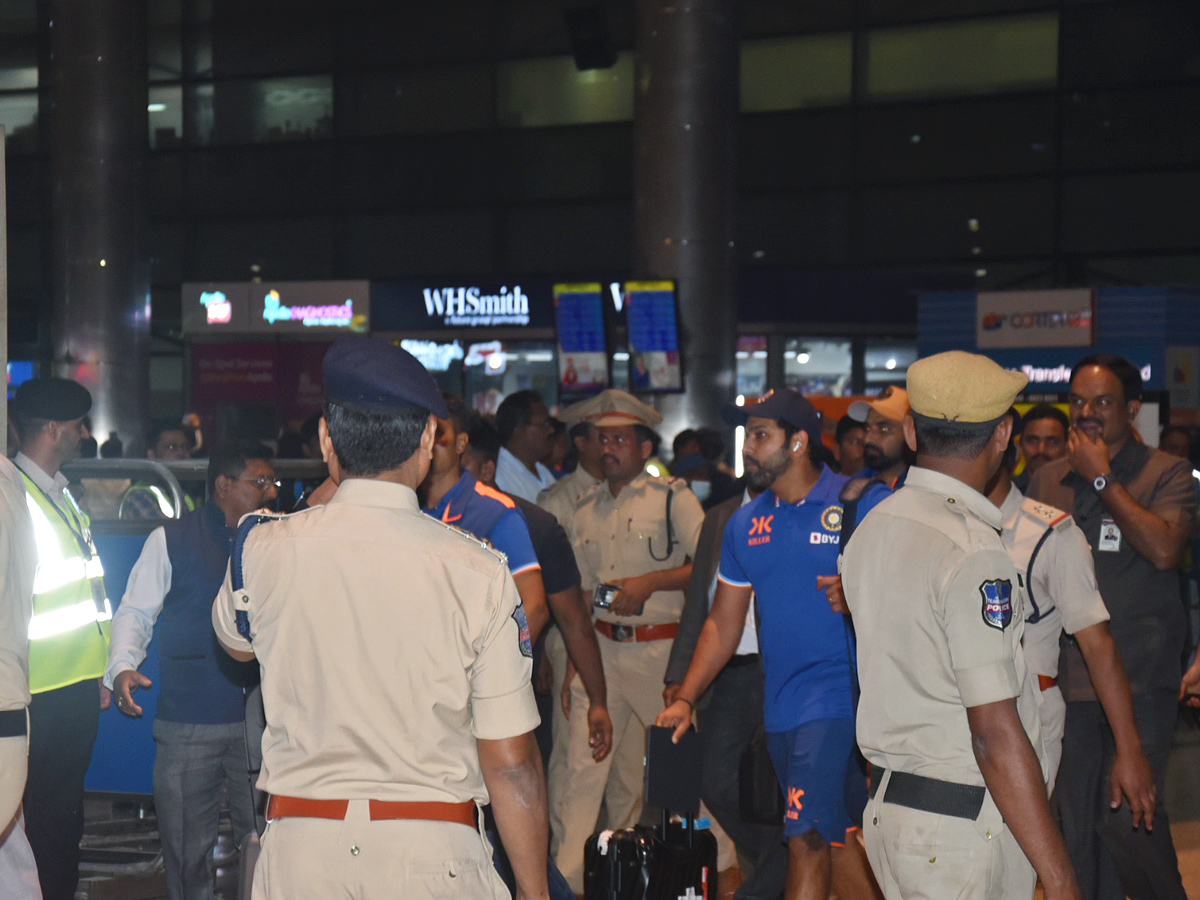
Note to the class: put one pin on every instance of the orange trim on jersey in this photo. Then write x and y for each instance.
(532, 567)
(732, 584)
(484, 490)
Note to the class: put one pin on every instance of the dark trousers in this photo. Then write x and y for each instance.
(727, 724)
(1112, 860)
(62, 730)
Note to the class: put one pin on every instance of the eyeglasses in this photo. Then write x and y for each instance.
(262, 482)
(170, 446)
(1103, 403)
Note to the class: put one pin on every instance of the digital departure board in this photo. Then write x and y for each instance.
(582, 347)
(653, 336)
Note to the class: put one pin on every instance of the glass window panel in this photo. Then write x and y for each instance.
(498, 368)
(975, 57)
(809, 228)
(18, 65)
(752, 365)
(886, 361)
(18, 115)
(818, 146)
(273, 109)
(455, 98)
(1145, 211)
(165, 111)
(935, 222)
(795, 72)
(955, 139)
(760, 18)
(1131, 128)
(18, 18)
(566, 163)
(817, 366)
(533, 93)
(412, 245)
(575, 237)
(1124, 43)
(164, 40)
(880, 11)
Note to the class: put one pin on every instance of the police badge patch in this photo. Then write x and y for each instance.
(997, 603)
(523, 635)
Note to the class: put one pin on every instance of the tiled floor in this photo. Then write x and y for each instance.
(106, 830)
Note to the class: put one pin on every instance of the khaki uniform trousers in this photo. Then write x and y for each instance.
(925, 856)
(634, 672)
(1053, 716)
(357, 859)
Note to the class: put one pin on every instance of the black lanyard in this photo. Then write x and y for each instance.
(81, 536)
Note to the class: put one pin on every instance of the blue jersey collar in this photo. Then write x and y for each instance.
(456, 498)
(824, 491)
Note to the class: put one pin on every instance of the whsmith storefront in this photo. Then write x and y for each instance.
(254, 349)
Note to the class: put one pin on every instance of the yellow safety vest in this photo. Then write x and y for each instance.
(68, 634)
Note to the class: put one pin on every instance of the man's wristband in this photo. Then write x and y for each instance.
(691, 705)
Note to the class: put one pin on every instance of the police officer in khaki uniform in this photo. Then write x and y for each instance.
(18, 564)
(948, 715)
(634, 533)
(1058, 583)
(395, 665)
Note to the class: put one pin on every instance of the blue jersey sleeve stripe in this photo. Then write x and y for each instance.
(732, 583)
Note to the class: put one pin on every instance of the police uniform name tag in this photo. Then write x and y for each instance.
(1110, 536)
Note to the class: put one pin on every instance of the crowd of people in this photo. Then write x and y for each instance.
(931, 619)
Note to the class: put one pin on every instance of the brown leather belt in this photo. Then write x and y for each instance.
(464, 813)
(626, 633)
(1045, 682)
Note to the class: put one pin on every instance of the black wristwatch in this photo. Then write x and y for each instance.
(1100, 482)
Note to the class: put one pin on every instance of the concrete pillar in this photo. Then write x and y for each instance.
(94, 101)
(685, 188)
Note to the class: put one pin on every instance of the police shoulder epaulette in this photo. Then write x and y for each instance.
(237, 571)
(1048, 516)
(590, 493)
(474, 539)
(854, 489)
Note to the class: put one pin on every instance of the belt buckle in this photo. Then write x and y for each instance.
(624, 633)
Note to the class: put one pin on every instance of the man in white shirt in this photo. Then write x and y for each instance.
(525, 430)
(200, 724)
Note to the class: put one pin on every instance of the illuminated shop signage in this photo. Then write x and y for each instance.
(301, 307)
(1064, 318)
(473, 307)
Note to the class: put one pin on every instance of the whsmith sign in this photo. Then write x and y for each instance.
(414, 306)
(1065, 318)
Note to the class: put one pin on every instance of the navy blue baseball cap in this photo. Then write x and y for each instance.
(786, 405)
(371, 376)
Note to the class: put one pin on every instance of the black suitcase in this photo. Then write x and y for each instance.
(618, 865)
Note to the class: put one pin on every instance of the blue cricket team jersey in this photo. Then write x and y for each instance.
(779, 549)
(487, 513)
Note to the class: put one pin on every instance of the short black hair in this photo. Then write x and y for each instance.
(1176, 429)
(516, 410)
(646, 433)
(712, 445)
(580, 429)
(818, 454)
(1046, 411)
(956, 440)
(230, 459)
(482, 437)
(309, 427)
(460, 414)
(370, 443)
(158, 429)
(1127, 373)
(688, 434)
(28, 427)
(845, 425)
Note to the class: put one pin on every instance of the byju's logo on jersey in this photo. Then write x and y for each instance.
(760, 529)
(997, 603)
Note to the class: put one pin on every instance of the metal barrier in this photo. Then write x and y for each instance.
(123, 758)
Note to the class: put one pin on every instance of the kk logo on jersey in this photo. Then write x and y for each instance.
(997, 602)
(760, 530)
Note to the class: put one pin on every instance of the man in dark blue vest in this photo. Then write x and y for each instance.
(200, 727)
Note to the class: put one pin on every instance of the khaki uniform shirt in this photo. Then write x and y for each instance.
(18, 565)
(1060, 590)
(562, 499)
(1148, 623)
(388, 643)
(938, 616)
(626, 535)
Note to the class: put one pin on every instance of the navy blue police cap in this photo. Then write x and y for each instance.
(54, 399)
(371, 376)
(786, 405)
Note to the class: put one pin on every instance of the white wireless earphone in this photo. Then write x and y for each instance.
(795, 446)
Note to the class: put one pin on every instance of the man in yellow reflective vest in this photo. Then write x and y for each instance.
(68, 634)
